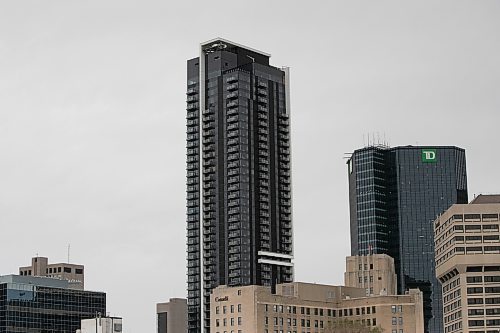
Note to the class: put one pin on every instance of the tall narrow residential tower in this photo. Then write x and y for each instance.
(395, 194)
(239, 222)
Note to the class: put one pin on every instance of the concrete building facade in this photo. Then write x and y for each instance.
(305, 307)
(40, 266)
(375, 273)
(467, 249)
(172, 316)
(101, 325)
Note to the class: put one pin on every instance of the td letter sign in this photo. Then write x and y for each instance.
(429, 156)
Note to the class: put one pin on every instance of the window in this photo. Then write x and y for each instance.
(490, 278)
(474, 290)
(239, 292)
(393, 309)
(224, 322)
(394, 320)
(216, 310)
(400, 320)
(476, 323)
(474, 279)
(232, 321)
(239, 307)
(239, 320)
(400, 308)
(224, 308)
(217, 323)
(67, 269)
(77, 270)
(232, 308)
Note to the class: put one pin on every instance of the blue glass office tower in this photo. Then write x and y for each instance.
(239, 218)
(45, 305)
(395, 194)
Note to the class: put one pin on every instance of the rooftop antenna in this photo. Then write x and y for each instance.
(69, 247)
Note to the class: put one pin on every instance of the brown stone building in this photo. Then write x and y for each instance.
(309, 308)
(40, 266)
(467, 249)
(375, 273)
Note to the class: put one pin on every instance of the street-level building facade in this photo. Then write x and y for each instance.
(308, 308)
(467, 245)
(239, 209)
(395, 195)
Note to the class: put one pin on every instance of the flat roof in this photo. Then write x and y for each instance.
(39, 281)
(224, 43)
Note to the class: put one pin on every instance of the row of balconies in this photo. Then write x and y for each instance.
(191, 99)
(191, 91)
(232, 95)
(232, 142)
(208, 111)
(232, 104)
(233, 134)
(232, 112)
(192, 106)
(232, 87)
(261, 92)
(232, 126)
(191, 137)
(209, 140)
(231, 79)
(262, 84)
(191, 144)
(232, 119)
(192, 115)
(190, 130)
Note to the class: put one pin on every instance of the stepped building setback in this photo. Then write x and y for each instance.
(239, 201)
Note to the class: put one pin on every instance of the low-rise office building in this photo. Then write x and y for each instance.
(467, 249)
(172, 316)
(40, 266)
(40, 304)
(375, 273)
(305, 307)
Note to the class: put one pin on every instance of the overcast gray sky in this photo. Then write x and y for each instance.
(92, 121)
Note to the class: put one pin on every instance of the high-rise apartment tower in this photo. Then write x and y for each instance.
(239, 222)
(395, 194)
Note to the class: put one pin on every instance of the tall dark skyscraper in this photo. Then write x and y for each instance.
(395, 194)
(239, 222)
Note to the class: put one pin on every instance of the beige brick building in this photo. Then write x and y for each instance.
(467, 249)
(375, 273)
(309, 308)
(40, 266)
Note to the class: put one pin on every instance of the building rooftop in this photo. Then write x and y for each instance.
(486, 199)
(35, 280)
(221, 44)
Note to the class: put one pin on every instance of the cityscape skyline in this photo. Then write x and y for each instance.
(92, 123)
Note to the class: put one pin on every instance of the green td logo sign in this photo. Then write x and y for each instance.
(429, 156)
